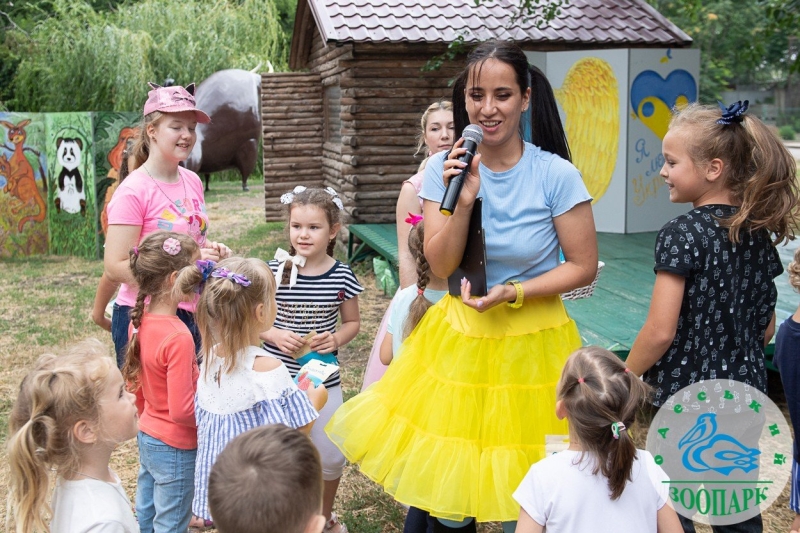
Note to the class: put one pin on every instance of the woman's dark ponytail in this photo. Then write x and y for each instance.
(547, 131)
(460, 116)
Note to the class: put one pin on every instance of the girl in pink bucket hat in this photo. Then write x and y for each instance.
(158, 194)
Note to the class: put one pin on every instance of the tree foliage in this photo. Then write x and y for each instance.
(78, 58)
(540, 12)
(736, 41)
(784, 19)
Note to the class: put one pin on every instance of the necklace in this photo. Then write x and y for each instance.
(162, 190)
(92, 477)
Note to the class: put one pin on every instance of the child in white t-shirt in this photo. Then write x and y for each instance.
(71, 413)
(601, 483)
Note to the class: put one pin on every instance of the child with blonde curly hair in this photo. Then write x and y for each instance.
(71, 412)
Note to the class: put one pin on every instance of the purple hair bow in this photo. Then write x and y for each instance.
(205, 267)
(223, 272)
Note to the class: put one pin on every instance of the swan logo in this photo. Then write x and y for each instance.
(726, 448)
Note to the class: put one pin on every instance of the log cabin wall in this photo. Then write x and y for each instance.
(384, 93)
(291, 118)
(367, 55)
(372, 98)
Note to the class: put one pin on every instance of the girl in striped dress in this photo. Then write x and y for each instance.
(314, 291)
(240, 386)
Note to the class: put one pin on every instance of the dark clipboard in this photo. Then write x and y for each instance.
(473, 263)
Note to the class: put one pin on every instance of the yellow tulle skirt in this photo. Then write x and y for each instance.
(464, 410)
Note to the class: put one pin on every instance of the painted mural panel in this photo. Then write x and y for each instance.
(113, 133)
(590, 87)
(71, 185)
(23, 185)
(660, 79)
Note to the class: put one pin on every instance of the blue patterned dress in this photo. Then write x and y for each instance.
(229, 404)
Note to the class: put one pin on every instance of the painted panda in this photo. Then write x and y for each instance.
(70, 195)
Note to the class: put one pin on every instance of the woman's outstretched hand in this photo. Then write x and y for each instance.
(496, 295)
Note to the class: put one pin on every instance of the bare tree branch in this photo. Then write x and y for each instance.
(14, 24)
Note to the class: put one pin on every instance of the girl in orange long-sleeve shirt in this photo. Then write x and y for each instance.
(161, 367)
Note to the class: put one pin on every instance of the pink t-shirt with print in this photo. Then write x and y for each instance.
(141, 201)
(416, 182)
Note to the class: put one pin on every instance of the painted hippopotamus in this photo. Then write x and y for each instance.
(232, 98)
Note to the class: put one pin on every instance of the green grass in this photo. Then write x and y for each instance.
(65, 298)
(261, 240)
(370, 510)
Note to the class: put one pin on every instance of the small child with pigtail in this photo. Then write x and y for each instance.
(601, 476)
(314, 292)
(71, 412)
(241, 386)
(161, 368)
(411, 303)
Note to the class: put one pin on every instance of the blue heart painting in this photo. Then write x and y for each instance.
(653, 97)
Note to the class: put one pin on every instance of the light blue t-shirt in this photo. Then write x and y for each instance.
(518, 209)
(400, 308)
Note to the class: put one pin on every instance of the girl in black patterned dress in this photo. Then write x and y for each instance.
(713, 306)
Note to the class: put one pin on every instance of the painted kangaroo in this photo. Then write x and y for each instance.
(21, 178)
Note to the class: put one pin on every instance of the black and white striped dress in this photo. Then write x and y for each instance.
(312, 304)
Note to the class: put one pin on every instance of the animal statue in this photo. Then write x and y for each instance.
(21, 180)
(232, 98)
(124, 140)
(70, 195)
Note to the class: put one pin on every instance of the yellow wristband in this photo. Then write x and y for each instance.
(516, 304)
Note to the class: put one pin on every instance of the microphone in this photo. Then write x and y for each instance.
(473, 135)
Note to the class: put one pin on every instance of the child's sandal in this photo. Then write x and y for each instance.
(332, 523)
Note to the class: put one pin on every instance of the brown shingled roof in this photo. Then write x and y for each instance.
(607, 22)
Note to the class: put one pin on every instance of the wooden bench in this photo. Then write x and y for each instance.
(375, 238)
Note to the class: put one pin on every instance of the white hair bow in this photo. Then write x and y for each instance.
(336, 199)
(288, 197)
(283, 256)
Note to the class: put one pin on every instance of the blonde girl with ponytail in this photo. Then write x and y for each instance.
(241, 385)
(71, 412)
